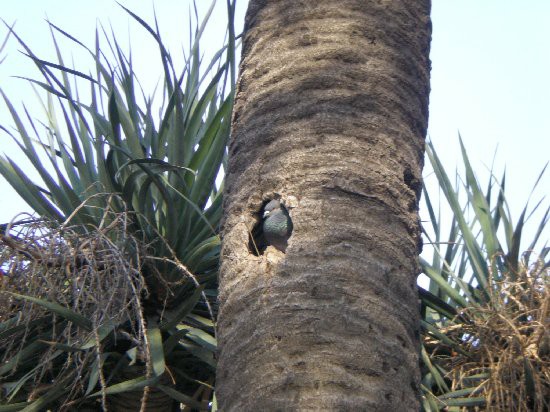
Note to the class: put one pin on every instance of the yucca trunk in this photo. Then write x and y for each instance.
(330, 115)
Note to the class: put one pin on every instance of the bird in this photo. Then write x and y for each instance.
(277, 225)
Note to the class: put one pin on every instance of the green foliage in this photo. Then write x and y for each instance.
(162, 171)
(165, 173)
(471, 267)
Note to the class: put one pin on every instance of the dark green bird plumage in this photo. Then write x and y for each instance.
(277, 225)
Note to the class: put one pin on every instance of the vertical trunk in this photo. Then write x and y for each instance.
(331, 114)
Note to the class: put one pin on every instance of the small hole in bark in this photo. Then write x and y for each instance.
(272, 215)
(256, 239)
(412, 182)
(408, 177)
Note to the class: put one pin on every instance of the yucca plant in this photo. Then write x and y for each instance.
(486, 306)
(111, 159)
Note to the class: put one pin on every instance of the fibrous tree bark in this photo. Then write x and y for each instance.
(330, 116)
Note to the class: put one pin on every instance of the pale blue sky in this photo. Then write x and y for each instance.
(490, 73)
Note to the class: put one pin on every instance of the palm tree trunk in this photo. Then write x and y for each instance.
(330, 116)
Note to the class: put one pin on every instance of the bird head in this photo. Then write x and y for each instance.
(271, 207)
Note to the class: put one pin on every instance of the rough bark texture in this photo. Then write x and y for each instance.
(331, 115)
